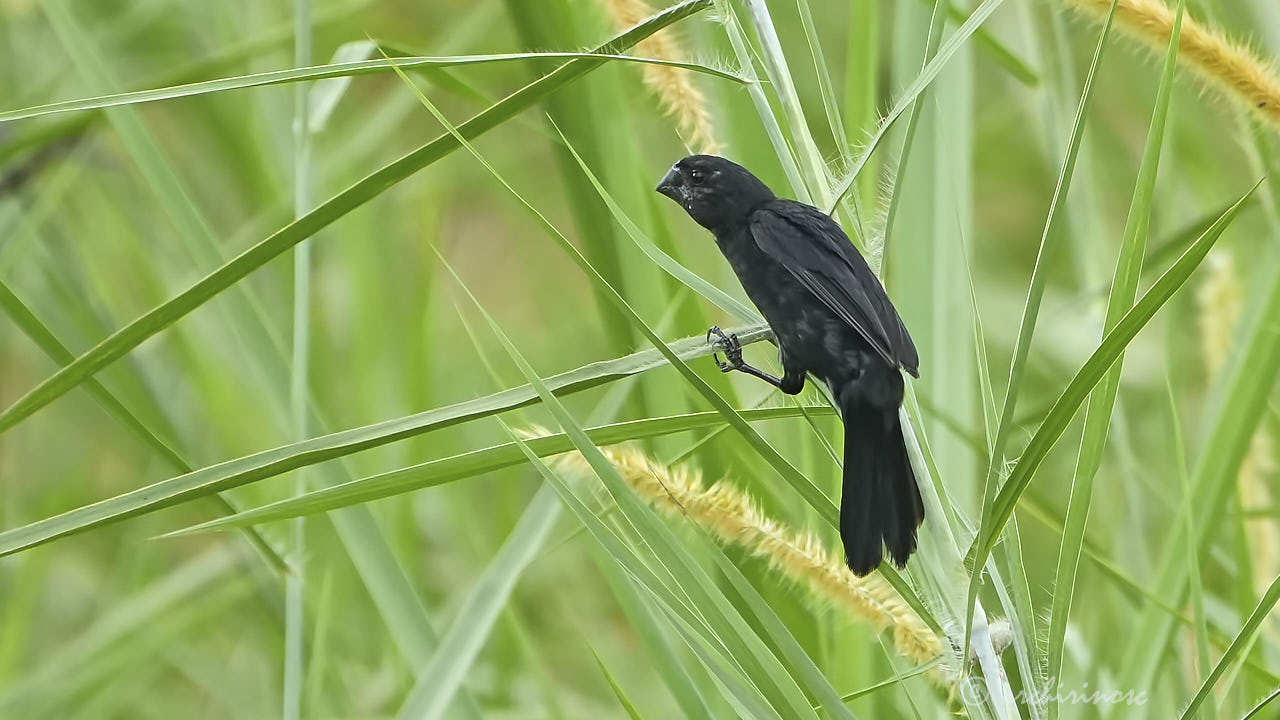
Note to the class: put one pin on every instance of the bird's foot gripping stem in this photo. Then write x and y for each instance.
(731, 347)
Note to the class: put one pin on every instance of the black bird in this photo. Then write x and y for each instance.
(832, 319)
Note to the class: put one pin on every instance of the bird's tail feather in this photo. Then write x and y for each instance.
(880, 502)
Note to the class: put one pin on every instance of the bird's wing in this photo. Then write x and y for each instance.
(814, 249)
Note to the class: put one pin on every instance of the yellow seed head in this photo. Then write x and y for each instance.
(732, 518)
(674, 87)
(1226, 66)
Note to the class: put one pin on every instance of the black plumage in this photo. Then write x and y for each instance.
(833, 320)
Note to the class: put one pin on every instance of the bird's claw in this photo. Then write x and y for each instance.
(730, 345)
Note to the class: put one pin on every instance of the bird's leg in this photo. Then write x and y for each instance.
(733, 351)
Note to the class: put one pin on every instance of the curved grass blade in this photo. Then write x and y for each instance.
(698, 635)
(42, 336)
(1049, 240)
(335, 70)
(1069, 402)
(440, 680)
(1241, 644)
(913, 91)
(1101, 403)
(126, 339)
(269, 463)
(1262, 704)
(742, 643)
(618, 692)
(673, 267)
(478, 462)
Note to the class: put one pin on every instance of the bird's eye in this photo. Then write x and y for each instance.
(695, 177)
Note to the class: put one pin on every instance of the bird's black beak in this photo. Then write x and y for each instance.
(672, 185)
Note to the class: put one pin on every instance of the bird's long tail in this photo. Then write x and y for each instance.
(880, 503)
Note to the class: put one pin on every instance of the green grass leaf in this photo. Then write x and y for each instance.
(618, 692)
(478, 462)
(1069, 402)
(913, 91)
(348, 69)
(1240, 645)
(126, 339)
(279, 460)
(1049, 240)
(1102, 402)
(440, 679)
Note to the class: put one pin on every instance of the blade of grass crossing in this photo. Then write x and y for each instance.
(1200, 624)
(299, 369)
(1069, 402)
(440, 679)
(373, 185)
(1101, 403)
(913, 91)
(642, 618)
(1049, 239)
(308, 73)
(279, 460)
(692, 280)
(618, 692)
(1239, 646)
(779, 74)
(755, 89)
(747, 649)
(458, 467)
(739, 691)
(830, 104)
(42, 336)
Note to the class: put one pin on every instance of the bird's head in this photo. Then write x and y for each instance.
(715, 192)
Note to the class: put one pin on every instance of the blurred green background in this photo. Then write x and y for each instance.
(105, 214)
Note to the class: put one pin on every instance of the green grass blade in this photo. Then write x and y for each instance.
(42, 336)
(1261, 705)
(295, 585)
(373, 185)
(1240, 645)
(775, 64)
(916, 672)
(1102, 402)
(690, 279)
(337, 70)
(1200, 623)
(440, 679)
(1069, 402)
(618, 692)
(324, 95)
(926, 77)
(936, 26)
(780, 636)
(1049, 240)
(478, 462)
(830, 104)
(747, 649)
(700, 638)
(644, 620)
(279, 460)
